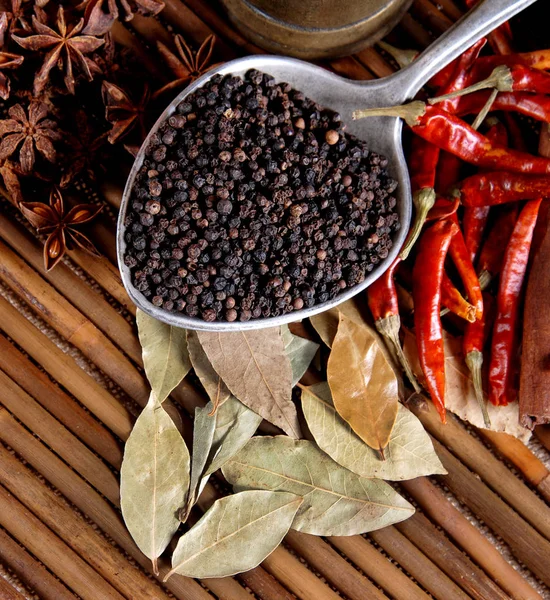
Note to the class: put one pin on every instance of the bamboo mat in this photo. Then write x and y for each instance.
(71, 385)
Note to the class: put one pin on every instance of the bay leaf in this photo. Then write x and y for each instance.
(460, 396)
(235, 425)
(216, 389)
(409, 453)
(204, 426)
(364, 387)
(165, 357)
(255, 368)
(154, 478)
(326, 323)
(235, 535)
(336, 501)
(299, 351)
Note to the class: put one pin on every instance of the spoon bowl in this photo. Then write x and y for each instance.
(382, 134)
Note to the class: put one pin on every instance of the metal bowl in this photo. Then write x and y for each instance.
(330, 91)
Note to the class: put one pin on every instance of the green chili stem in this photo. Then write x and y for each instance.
(411, 113)
(500, 79)
(485, 110)
(423, 201)
(474, 360)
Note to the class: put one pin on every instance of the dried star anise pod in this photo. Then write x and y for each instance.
(101, 14)
(121, 112)
(7, 61)
(10, 176)
(31, 131)
(63, 46)
(188, 66)
(14, 19)
(84, 149)
(60, 226)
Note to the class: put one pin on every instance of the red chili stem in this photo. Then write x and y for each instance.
(455, 302)
(492, 251)
(452, 134)
(427, 277)
(504, 344)
(383, 304)
(498, 187)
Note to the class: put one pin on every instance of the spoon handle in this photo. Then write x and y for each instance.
(482, 19)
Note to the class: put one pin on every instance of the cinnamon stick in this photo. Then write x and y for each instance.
(434, 503)
(37, 384)
(63, 369)
(70, 323)
(54, 553)
(375, 62)
(419, 566)
(450, 9)
(543, 435)
(112, 190)
(478, 458)
(70, 448)
(423, 534)
(151, 30)
(351, 68)
(7, 592)
(431, 16)
(323, 558)
(30, 571)
(525, 542)
(77, 291)
(415, 31)
(517, 453)
(81, 536)
(378, 567)
(534, 390)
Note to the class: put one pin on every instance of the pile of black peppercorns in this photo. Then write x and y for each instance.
(253, 202)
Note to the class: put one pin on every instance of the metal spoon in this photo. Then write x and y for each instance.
(383, 135)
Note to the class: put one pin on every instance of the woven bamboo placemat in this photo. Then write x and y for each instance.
(71, 385)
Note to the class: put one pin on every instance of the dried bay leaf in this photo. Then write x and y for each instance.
(299, 351)
(235, 425)
(255, 368)
(336, 501)
(154, 478)
(165, 357)
(204, 426)
(364, 387)
(235, 535)
(213, 384)
(326, 323)
(460, 396)
(409, 453)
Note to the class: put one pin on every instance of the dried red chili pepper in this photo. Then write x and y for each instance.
(422, 165)
(497, 187)
(473, 342)
(536, 106)
(448, 172)
(461, 259)
(443, 209)
(427, 276)
(492, 251)
(517, 78)
(500, 38)
(474, 219)
(504, 343)
(450, 133)
(383, 304)
(455, 302)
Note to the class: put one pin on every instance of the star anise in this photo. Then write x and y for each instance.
(64, 47)
(33, 131)
(60, 226)
(10, 176)
(101, 14)
(7, 61)
(84, 150)
(188, 66)
(122, 112)
(13, 19)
